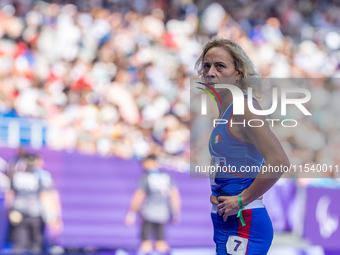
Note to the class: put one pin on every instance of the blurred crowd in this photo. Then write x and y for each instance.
(112, 77)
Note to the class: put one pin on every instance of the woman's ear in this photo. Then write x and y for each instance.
(240, 74)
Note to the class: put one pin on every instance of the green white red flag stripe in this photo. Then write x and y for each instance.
(217, 139)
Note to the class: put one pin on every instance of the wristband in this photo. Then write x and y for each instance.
(239, 214)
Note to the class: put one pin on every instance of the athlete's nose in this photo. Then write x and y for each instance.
(212, 72)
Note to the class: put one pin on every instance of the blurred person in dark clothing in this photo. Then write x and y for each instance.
(157, 200)
(29, 202)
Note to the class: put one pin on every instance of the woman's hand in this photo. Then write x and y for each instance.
(130, 218)
(228, 205)
(55, 226)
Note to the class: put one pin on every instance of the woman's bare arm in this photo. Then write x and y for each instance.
(270, 148)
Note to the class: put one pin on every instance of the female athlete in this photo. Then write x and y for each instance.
(240, 219)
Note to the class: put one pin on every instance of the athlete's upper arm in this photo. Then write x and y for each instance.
(262, 137)
(140, 193)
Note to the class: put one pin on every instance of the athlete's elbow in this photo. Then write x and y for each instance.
(281, 161)
(284, 161)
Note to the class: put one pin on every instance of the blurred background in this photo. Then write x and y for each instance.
(92, 87)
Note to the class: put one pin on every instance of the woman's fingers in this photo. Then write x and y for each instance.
(221, 198)
(222, 209)
(219, 206)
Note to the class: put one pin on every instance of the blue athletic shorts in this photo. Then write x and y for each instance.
(253, 239)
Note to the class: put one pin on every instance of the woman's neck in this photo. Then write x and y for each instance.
(226, 98)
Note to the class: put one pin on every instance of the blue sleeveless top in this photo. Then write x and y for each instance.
(238, 159)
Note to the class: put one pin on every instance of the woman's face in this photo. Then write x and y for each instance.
(218, 64)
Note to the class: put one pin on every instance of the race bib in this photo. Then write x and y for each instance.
(237, 245)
